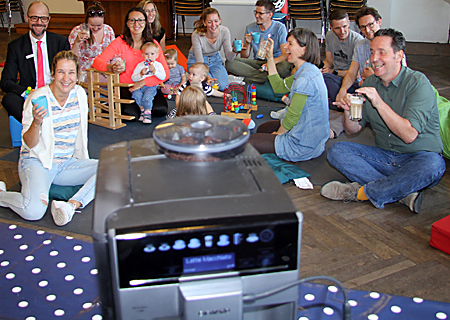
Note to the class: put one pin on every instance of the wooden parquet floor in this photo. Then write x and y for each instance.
(375, 250)
(363, 247)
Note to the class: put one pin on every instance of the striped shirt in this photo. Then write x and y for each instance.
(205, 86)
(66, 122)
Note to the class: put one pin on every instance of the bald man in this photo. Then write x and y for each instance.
(22, 58)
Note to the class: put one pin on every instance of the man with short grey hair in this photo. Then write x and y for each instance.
(30, 56)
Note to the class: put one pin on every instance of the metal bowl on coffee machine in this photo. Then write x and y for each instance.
(201, 137)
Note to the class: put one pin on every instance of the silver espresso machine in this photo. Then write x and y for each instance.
(190, 224)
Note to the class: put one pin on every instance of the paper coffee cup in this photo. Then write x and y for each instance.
(238, 45)
(256, 36)
(41, 102)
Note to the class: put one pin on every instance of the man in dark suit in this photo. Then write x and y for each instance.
(22, 59)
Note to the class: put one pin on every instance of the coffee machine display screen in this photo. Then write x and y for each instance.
(211, 262)
(165, 253)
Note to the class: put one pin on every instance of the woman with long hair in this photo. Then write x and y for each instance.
(122, 56)
(158, 32)
(207, 40)
(89, 43)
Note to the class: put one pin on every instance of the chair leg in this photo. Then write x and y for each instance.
(184, 31)
(175, 21)
(8, 12)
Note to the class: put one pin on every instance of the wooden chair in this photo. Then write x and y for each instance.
(104, 104)
(186, 8)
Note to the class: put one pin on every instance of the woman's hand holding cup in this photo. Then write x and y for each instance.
(83, 35)
(117, 65)
(269, 49)
(39, 113)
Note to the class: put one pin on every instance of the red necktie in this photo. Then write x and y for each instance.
(40, 74)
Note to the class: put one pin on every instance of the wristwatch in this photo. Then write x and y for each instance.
(335, 72)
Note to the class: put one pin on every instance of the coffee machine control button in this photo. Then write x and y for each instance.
(149, 248)
(266, 235)
(164, 247)
(194, 243)
(179, 245)
(252, 237)
(224, 240)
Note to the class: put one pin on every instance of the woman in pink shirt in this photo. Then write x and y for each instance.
(126, 47)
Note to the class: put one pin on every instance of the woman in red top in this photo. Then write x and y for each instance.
(136, 32)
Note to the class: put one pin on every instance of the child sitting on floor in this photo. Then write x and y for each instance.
(198, 73)
(142, 94)
(177, 73)
(191, 101)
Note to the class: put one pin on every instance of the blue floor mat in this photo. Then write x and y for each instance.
(47, 276)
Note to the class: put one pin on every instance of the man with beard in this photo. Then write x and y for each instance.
(24, 57)
(369, 21)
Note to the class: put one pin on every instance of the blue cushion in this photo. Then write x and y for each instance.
(283, 170)
(265, 91)
(62, 192)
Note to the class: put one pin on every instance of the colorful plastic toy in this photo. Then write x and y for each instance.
(233, 106)
(27, 92)
(215, 84)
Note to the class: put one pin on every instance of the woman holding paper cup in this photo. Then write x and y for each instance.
(302, 134)
(90, 38)
(207, 40)
(54, 147)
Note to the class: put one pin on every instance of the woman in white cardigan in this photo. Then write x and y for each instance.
(54, 147)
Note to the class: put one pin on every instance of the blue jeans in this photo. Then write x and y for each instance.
(32, 202)
(144, 97)
(334, 83)
(216, 68)
(386, 176)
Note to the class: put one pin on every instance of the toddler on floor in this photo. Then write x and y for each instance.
(191, 101)
(142, 94)
(177, 73)
(198, 73)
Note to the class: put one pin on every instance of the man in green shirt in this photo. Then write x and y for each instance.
(401, 107)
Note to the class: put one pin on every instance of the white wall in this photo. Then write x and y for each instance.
(419, 20)
(56, 6)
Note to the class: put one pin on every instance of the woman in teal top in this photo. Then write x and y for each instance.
(302, 134)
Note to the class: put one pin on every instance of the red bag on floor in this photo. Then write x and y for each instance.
(440, 235)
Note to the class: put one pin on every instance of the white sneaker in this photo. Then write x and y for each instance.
(62, 212)
(2, 186)
(233, 78)
(279, 114)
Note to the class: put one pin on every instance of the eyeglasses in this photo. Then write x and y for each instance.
(140, 21)
(96, 12)
(36, 18)
(367, 26)
(257, 13)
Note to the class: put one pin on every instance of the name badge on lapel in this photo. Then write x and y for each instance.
(31, 55)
